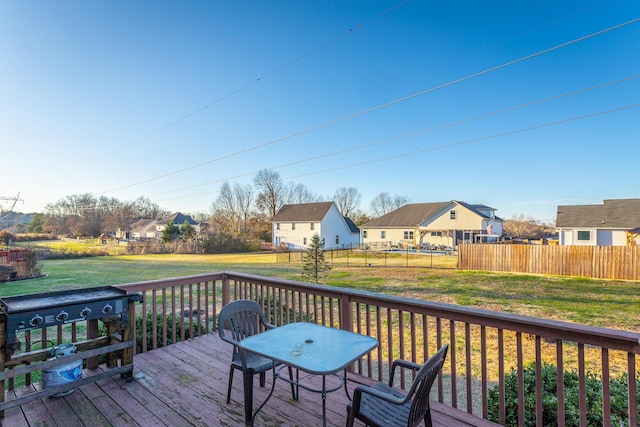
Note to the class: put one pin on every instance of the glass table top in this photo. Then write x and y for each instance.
(313, 348)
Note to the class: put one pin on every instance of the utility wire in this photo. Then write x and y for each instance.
(381, 106)
(469, 141)
(410, 134)
(441, 147)
(261, 78)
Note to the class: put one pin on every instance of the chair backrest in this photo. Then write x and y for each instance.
(422, 384)
(240, 319)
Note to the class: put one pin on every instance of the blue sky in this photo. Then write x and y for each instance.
(169, 99)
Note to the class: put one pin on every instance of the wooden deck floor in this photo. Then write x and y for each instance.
(185, 385)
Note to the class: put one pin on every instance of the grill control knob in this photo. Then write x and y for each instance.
(107, 309)
(62, 316)
(36, 320)
(86, 312)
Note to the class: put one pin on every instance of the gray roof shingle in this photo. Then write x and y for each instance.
(407, 216)
(303, 212)
(614, 213)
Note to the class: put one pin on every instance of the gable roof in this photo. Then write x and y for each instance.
(352, 225)
(179, 219)
(142, 225)
(407, 216)
(614, 213)
(412, 215)
(303, 212)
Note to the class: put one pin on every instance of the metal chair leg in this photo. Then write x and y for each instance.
(230, 384)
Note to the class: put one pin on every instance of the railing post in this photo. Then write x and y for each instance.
(346, 313)
(226, 290)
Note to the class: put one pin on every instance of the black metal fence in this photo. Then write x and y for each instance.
(396, 258)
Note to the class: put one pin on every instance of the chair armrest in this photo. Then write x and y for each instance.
(402, 364)
(380, 394)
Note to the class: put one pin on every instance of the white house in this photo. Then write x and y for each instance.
(433, 225)
(610, 224)
(295, 225)
(144, 229)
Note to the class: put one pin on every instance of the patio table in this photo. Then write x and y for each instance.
(311, 348)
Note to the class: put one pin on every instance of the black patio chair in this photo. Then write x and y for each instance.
(381, 405)
(245, 318)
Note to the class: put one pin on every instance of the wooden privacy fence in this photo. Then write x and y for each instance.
(600, 262)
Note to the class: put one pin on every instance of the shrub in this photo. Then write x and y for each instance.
(6, 237)
(619, 409)
(173, 323)
(277, 310)
(223, 243)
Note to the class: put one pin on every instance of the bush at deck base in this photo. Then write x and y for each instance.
(173, 322)
(619, 392)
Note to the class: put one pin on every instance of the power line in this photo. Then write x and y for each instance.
(441, 147)
(381, 106)
(415, 133)
(262, 78)
(469, 141)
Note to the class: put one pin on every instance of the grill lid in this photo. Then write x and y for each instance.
(23, 303)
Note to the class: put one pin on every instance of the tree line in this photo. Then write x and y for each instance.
(238, 209)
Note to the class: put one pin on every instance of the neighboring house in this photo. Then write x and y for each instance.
(295, 225)
(609, 224)
(427, 225)
(145, 229)
(142, 229)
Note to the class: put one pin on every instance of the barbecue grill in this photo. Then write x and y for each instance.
(27, 312)
(23, 313)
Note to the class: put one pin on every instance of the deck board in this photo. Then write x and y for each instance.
(185, 384)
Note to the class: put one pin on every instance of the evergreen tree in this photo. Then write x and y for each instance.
(314, 263)
(171, 233)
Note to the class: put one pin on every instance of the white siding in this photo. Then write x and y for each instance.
(599, 237)
(333, 224)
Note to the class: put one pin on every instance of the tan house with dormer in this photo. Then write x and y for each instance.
(433, 225)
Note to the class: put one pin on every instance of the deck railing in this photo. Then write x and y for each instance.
(484, 345)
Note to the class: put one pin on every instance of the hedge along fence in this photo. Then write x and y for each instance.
(599, 262)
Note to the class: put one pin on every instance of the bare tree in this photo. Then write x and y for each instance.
(521, 226)
(347, 199)
(270, 192)
(225, 206)
(244, 199)
(299, 193)
(382, 204)
(399, 201)
(145, 208)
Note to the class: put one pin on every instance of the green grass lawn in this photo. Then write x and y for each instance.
(613, 304)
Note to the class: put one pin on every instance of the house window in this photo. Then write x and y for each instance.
(313, 226)
(337, 239)
(293, 225)
(364, 234)
(383, 234)
(304, 241)
(584, 235)
(408, 235)
(436, 234)
(278, 226)
(452, 214)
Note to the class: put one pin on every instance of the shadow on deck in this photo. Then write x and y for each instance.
(185, 384)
